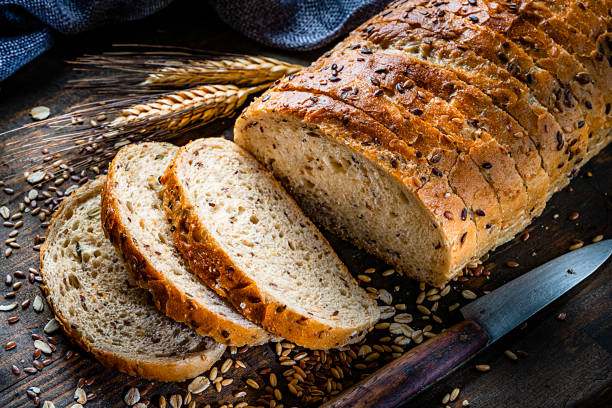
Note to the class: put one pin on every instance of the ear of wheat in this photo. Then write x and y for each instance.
(147, 70)
(91, 134)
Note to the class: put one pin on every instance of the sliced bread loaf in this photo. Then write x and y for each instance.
(134, 220)
(88, 288)
(246, 237)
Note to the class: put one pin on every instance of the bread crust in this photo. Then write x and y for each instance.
(349, 126)
(169, 369)
(209, 261)
(168, 298)
(505, 90)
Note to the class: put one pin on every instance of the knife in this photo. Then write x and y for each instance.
(487, 320)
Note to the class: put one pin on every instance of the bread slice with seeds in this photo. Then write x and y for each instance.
(249, 241)
(134, 220)
(88, 288)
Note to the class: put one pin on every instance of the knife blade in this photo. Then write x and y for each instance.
(510, 305)
(487, 319)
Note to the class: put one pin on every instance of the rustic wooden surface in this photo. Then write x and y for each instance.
(569, 362)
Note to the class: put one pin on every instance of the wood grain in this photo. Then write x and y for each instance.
(569, 362)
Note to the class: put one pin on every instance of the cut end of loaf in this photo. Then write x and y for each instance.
(88, 289)
(134, 220)
(246, 237)
(349, 194)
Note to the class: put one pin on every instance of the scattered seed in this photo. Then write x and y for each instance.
(454, 394)
(364, 278)
(80, 396)
(574, 216)
(468, 294)
(511, 355)
(42, 346)
(423, 310)
(388, 272)
(132, 396)
(198, 384)
(227, 364)
(561, 316)
(385, 296)
(483, 367)
(38, 304)
(51, 327)
(403, 318)
(512, 264)
(176, 401)
(420, 298)
(577, 245)
(40, 112)
(597, 238)
(252, 383)
(10, 345)
(446, 398)
(13, 319)
(5, 212)
(8, 307)
(15, 369)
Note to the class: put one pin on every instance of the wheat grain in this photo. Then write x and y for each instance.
(241, 70)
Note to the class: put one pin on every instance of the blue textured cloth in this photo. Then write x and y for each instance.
(27, 27)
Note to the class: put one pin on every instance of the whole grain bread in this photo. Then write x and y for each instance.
(343, 138)
(249, 241)
(134, 220)
(101, 310)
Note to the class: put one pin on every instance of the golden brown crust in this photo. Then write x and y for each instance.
(209, 261)
(168, 298)
(506, 91)
(349, 126)
(162, 369)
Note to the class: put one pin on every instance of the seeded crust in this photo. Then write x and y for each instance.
(455, 60)
(177, 365)
(342, 123)
(446, 153)
(169, 297)
(213, 264)
(505, 90)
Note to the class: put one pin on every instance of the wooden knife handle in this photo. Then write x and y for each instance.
(419, 368)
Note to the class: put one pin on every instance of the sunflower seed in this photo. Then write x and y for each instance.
(38, 304)
(8, 307)
(80, 396)
(42, 346)
(36, 177)
(468, 294)
(40, 112)
(198, 384)
(132, 396)
(51, 326)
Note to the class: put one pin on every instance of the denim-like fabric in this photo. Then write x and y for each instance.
(27, 27)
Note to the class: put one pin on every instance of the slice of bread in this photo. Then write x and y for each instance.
(87, 287)
(249, 241)
(135, 222)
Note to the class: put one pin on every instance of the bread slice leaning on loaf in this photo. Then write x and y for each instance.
(134, 220)
(249, 241)
(89, 291)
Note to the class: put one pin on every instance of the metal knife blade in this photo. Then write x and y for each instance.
(508, 306)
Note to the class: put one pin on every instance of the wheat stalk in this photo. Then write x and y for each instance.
(144, 70)
(233, 70)
(80, 138)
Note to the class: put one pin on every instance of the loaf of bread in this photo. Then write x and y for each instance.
(134, 220)
(249, 241)
(439, 129)
(101, 310)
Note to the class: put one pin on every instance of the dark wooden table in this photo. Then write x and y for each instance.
(568, 362)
